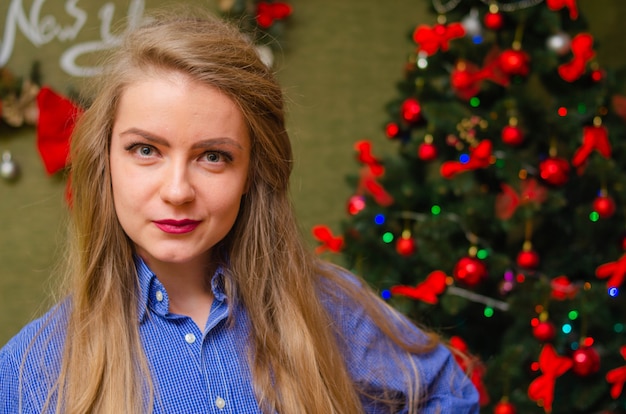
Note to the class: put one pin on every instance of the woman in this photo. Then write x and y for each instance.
(190, 289)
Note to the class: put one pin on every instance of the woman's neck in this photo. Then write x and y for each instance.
(188, 287)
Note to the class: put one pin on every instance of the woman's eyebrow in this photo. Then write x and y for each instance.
(205, 143)
(210, 142)
(146, 135)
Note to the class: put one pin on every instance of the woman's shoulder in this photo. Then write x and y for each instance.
(372, 356)
(42, 338)
(29, 362)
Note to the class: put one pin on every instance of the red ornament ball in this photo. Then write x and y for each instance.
(411, 110)
(504, 407)
(514, 62)
(494, 21)
(461, 79)
(554, 170)
(544, 331)
(528, 259)
(512, 135)
(356, 203)
(604, 206)
(406, 246)
(392, 130)
(469, 271)
(586, 361)
(427, 151)
(597, 75)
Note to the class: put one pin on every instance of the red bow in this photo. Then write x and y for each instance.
(479, 157)
(57, 116)
(466, 77)
(614, 271)
(427, 291)
(552, 366)
(594, 138)
(369, 185)
(374, 169)
(472, 366)
(329, 242)
(619, 105)
(555, 5)
(364, 149)
(431, 39)
(508, 200)
(267, 13)
(582, 49)
(617, 377)
(563, 288)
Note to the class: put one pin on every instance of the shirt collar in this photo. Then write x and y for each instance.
(149, 285)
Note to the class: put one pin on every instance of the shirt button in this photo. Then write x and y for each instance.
(190, 338)
(159, 295)
(220, 403)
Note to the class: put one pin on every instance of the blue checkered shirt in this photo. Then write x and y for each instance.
(207, 371)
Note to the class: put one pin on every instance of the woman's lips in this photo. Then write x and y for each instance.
(176, 226)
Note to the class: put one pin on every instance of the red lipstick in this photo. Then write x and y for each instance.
(176, 226)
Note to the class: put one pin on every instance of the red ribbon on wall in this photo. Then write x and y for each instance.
(57, 117)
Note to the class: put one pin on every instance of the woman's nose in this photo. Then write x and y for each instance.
(177, 187)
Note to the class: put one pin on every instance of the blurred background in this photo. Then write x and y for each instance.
(339, 63)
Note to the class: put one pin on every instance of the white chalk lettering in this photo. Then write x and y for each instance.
(41, 30)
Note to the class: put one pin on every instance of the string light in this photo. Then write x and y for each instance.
(572, 315)
(435, 210)
(566, 328)
(562, 111)
(618, 327)
(613, 292)
(594, 216)
(385, 294)
(477, 39)
(482, 254)
(379, 219)
(464, 158)
(488, 312)
(388, 237)
(474, 102)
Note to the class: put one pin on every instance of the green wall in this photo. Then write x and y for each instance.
(339, 65)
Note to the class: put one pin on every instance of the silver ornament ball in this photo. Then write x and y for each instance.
(9, 170)
(471, 24)
(559, 43)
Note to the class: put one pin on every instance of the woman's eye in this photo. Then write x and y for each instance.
(213, 157)
(145, 151)
(218, 156)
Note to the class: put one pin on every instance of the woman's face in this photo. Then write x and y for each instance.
(179, 160)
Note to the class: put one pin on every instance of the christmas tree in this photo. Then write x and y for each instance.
(499, 220)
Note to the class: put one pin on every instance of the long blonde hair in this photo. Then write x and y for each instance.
(296, 361)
